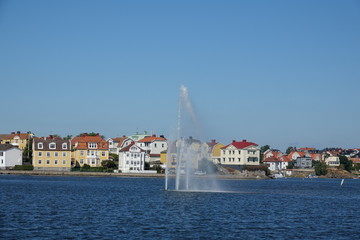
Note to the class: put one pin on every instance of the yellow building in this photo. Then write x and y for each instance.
(52, 154)
(90, 150)
(17, 139)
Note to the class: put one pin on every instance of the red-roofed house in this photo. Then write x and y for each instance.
(91, 150)
(17, 139)
(153, 146)
(115, 144)
(131, 159)
(295, 154)
(277, 163)
(240, 153)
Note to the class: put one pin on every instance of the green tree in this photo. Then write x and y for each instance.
(347, 164)
(290, 165)
(320, 168)
(27, 152)
(290, 149)
(68, 137)
(108, 164)
(91, 134)
(262, 150)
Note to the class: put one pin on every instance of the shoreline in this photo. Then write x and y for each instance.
(112, 174)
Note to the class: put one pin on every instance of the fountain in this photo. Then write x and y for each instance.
(188, 156)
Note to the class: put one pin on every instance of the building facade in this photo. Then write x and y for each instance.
(52, 154)
(240, 154)
(90, 150)
(153, 146)
(132, 159)
(9, 156)
(17, 139)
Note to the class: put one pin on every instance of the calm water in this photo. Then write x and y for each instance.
(42, 207)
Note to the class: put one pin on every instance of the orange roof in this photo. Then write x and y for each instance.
(82, 142)
(152, 138)
(284, 158)
(20, 135)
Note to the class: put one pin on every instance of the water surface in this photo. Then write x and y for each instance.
(46, 207)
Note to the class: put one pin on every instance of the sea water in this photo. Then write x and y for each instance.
(47, 207)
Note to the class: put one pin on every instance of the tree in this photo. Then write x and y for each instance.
(346, 163)
(262, 150)
(27, 152)
(290, 149)
(320, 168)
(91, 134)
(68, 137)
(108, 164)
(290, 165)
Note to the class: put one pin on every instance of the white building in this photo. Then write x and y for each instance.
(240, 153)
(9, 156)
(332, 161)
(153, 146)
(277, 164)
(131, 159)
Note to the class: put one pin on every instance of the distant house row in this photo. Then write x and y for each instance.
(302, 158)
(54, 153)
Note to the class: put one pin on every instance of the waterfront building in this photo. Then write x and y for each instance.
(114, 142)
(9, 156)
(215, 151)
(272, 153)
(240, 154)
(303, 162)
(153, 146)
(277, 163)
(90, 150)
(52, 154)
(17, 139)
(132, 159)
(332, 161)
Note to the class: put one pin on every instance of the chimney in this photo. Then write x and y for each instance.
(233, 141)
(18, 132)
(12, 132)
(213, 140)
(162, 136)
(243, 140)
(154, 135)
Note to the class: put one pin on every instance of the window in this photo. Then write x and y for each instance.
(64, 154)
(40, 145)
(1, 154)
(48, 154)
(154, 144)
(55, 162)
(47, 162)
(2, 161)
(39, 162)
(93, 161)
(56, 154)
(40, 154)
(52, 145)
(81, 153)
(92, 145)
(103, 154)
(162, 145)
(81, 161)
(64, 162)
(64, 146)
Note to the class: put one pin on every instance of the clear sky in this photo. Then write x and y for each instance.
(273, 72)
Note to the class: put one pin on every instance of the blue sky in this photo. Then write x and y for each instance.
(273, 72)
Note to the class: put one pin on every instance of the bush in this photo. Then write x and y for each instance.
(320, 168)
(24, 167)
